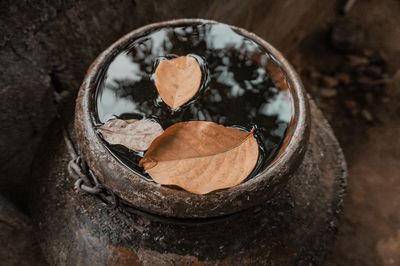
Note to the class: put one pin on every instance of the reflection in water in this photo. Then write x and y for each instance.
(242, 85)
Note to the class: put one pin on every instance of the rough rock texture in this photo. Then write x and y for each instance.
(46, 47)
(296, 227)
(18, 246)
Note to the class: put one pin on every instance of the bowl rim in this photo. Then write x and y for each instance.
(167, 201)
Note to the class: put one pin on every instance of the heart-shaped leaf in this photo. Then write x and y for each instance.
(134, 134)
(201, 156)
(178, 80)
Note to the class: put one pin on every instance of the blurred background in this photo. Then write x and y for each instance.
(346, 52)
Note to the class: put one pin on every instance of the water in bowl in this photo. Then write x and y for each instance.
(242, 86)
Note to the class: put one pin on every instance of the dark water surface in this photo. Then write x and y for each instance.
(242, 86)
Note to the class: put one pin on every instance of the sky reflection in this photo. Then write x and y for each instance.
(244, 86)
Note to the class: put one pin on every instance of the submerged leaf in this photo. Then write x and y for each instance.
(201, 156)
(178, 80)
(134, 134)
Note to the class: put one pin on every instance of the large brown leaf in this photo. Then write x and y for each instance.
(178, 80)
(201, 156)
(134, 134)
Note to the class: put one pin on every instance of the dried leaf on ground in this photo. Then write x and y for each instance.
(134, 134)
(201, 156)
(178, 80)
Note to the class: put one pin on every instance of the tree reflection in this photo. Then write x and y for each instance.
(238, 91)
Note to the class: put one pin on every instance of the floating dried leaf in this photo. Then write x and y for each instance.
(201, 156)
(178, 80)
(134, 134)
(277, 75)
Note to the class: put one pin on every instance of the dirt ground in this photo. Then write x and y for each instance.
(351, 68)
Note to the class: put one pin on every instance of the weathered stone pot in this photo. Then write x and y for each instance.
(286, 215)
(163, 200)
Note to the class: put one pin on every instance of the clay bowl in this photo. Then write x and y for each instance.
(167, 201)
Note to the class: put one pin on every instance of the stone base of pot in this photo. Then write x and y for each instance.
(296, 227)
